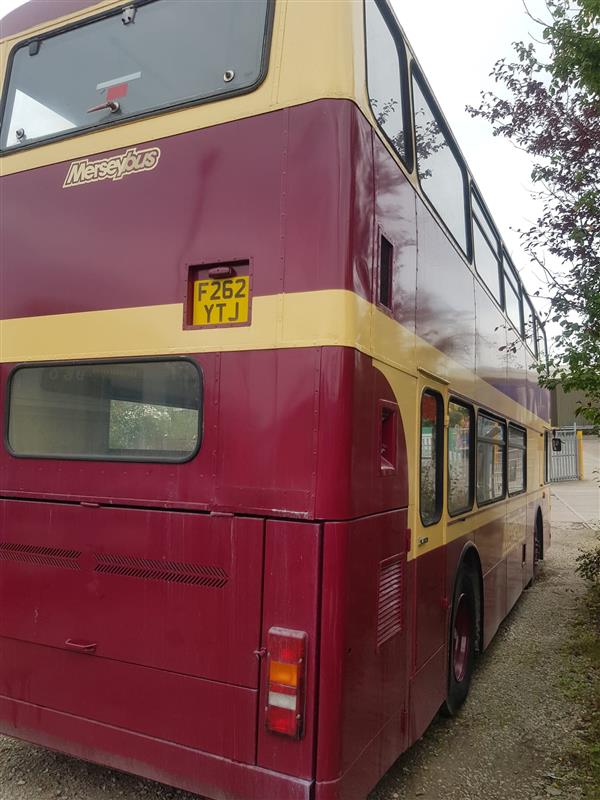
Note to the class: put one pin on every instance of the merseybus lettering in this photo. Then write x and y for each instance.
(300, 358)
(114, 169)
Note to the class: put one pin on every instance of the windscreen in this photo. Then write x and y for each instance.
(136, 60)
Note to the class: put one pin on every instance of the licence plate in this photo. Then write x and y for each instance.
(225, 301)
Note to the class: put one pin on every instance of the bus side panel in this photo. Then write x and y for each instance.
(156, 759)
(158, 589)
(491, 362)
(291, 597)
(352, 481)
(363, 677)
(445, 305)
(395, 210)
(516, 538)
(267, 418)
(489, 540)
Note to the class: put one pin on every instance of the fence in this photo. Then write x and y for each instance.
(564, 465)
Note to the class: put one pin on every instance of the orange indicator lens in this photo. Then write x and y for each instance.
(285, 674)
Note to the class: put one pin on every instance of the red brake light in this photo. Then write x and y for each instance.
(286, 664)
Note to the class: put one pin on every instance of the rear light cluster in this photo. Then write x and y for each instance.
(286, 664)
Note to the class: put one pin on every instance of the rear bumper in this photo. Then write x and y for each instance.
(127, 751)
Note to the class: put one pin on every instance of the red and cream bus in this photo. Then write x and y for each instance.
(272, 470)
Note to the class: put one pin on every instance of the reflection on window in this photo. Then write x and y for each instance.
(31, 120)
(517, 460)
(513, 300)
(460, 433)
(172, 52)
(485, 245)
(439, 170)
(542, 347)
(530, 327)
(431, 459)
(113, 411)
(146, 426)
(385, 79)
(491, 454)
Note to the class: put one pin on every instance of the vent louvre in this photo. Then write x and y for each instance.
(171, 571)
(389, 606)
(39, 556)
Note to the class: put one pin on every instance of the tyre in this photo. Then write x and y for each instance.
(462, 642)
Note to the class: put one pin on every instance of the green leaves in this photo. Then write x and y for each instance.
(553, 114)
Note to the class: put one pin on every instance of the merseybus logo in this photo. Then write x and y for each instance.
(112, 169)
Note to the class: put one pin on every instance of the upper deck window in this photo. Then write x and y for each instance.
(386, 70)
(530, 326)
(486, 250)
(512, 294)
(131, 62)
(440, 169)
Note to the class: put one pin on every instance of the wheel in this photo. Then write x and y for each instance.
(462, 643)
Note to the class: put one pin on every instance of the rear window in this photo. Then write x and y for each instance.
(138, 59)
(118, 411)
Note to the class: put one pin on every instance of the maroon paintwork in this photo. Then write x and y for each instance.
(30, 15)
(286, 517)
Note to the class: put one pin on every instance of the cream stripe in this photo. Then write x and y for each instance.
(302, 319)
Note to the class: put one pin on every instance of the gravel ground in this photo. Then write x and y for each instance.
(509, 742)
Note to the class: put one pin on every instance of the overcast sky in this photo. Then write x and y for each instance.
(457, 44)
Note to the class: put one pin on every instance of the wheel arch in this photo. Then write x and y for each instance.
(539, 521)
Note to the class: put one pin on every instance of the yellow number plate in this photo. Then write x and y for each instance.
(225, 301)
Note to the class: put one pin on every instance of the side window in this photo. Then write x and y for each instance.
(530, 326)
(440, 172)
(512, 295)
(386, 65)
(461, 431)
(541, 342)
(432, 456)
(517, 460)
(491, 458)
(486, 250)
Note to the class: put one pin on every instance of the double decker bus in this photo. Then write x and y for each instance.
(273, 458)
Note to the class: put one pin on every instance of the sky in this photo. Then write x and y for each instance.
(457, 44)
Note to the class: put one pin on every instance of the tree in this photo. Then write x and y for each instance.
(551, 109)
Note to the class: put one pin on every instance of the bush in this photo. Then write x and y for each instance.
(588, 564)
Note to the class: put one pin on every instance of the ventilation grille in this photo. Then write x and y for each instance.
(172, 571)
(389, 610)
(39, 556)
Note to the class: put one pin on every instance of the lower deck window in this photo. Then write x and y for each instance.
(517, 459)
(491, 459)
(432, 456)
(460, 458)
(134, 411)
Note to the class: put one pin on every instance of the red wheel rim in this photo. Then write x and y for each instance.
(461, 638)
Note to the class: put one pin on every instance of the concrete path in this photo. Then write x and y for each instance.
(580, 500)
